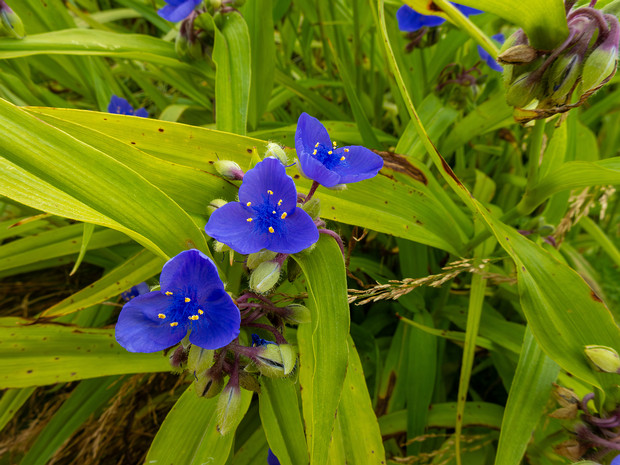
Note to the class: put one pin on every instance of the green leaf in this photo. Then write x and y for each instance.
(528, 396)
(323, 351)
(11, 402)
(40, 354)
(47, 169)
(189, 434)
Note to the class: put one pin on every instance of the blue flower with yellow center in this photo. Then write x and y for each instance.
(323, 161)
(266, 216)
(192, 299)
(120, 106)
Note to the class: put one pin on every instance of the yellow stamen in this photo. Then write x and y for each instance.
(270, 192)
(161, 315)
(249, 220)
(330, 152)
(316, 145)
(334, 143)
(314, 152)
(283, 215)
(193, 317)
(279, 202)
(249, 204)
(173, 324)
(271, 230)
(274, 212)
(200, 311)
(168, 293)
(346, 150)
(342, 158)
(187, 299)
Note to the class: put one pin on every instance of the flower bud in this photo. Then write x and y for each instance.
(265, 277)
(215, 204)
(276, 361)
(229, 409)
(199, 360)
(229, 170)
(10, 24)
(178, 358)
(297, 314)
(518, 55)
(312, 207)
(255, 259)
(208, 386)
(275, 151)
(522, 91)
(248, 382)
(561, 77)
(601, 62)
(604, 359)
(186, 45)
(220, 247)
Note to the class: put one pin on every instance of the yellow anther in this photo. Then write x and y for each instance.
(168, 293)
(193, 317)
(316, 145)
(330, 152)
(283, 215)
(161, 315)
(279, 202)
(346, 150)
(271, 230)
(249, 220)
(270, 192)
(334, 143)
(174, 323)
(273, 212)
(342, 158)
(187, 299)
(249, 204)
(314, 152)
(200, 311)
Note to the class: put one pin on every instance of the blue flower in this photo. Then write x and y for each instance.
(488, 59)
(259, 341)
(177, 10)
(615, 461)
(266, 216)
(120, 106)
(272, 459)
(329, 165)
(135, 291)
(192, 298)
(410, 20)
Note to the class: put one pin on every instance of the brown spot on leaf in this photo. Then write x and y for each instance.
(249, 150)
(595, 297)
(161, 129)
(400, 164)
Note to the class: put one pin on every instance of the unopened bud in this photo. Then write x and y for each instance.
(312, 207)
(215, 204)
(561, 77)
(229, 169)
(220, 247)
(208, 386)
(522, 91)
(178, 357)
(604, 359)
(248, 382)
(229, 409)
(338, 187)
(601, 62)
(10, 24)
(276, 361)
(275, 151)
(186, 45)
(255, 259)
(297, 314)
(199, 360)
(518, 55)
(265, 277)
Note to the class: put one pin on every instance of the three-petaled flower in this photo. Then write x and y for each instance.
(120, 106)
(266, 216)
(410, 20)
(192, 298)
(487, 58)
(323, 161)
(177, 10)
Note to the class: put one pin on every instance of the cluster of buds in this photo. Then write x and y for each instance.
(459, 86)
(550, 82)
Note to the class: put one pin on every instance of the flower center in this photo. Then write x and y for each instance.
(183, 308)
(330, 157)
(268, 216)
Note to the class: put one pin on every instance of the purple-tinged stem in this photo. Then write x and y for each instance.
(331, 233)
(313, 189)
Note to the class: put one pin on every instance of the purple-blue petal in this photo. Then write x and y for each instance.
(191, 271)
(139, 329)
(360, 164)
(467, 10)
(135, 291)
(219, 325)
(309, 132)
(616, 460)
(119, 106)
(301, 233)
(228, 225)
(410, 20)
(313, 169)
(487, 58)
(142, 113)
(272, 459)
(177, 11)
(268, 175)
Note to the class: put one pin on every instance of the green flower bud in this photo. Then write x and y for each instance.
(522, 91)
(561, 77)
(229, 409)
(265, 277)
(255, 259)
(215, 204)
(199, 360)
(10, 24)
(297, 314)
(518, 55)
(229, 170)
(276, 361)
(312, 207)
(186, 46)
(220, 247)
(604, 359)
(208, 386)
(275, 151)
(248, 382)
(601, 62)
